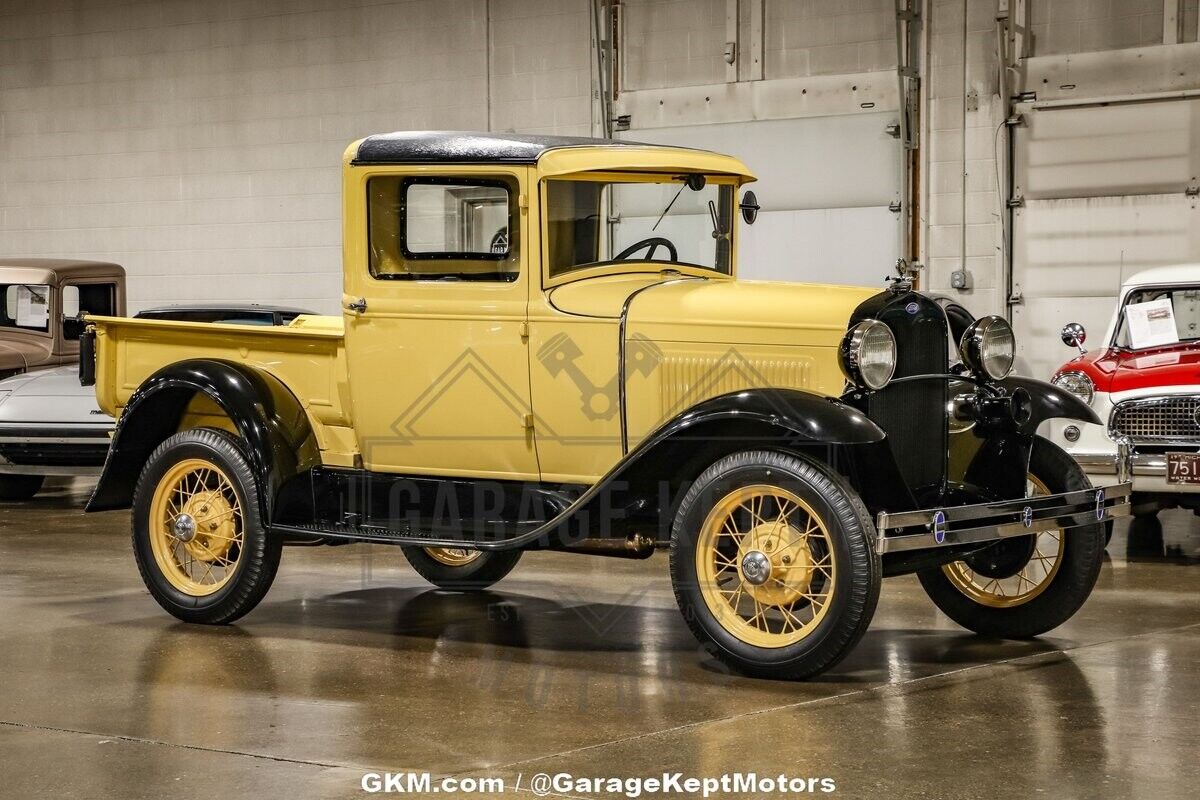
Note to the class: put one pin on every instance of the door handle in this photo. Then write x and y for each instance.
(359, 305)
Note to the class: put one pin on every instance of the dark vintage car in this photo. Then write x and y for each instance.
(50, 425)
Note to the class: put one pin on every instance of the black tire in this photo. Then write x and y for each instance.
(484, 570)
(1080, 562)
(258, 560)
(14, 488)
(851, 537)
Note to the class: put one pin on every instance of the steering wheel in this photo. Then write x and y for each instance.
(653, 243)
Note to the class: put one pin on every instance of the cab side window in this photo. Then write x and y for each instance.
(443, 229)
(86, 298)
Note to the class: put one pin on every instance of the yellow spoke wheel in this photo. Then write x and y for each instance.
(1024, 584)
(766, 566)
(453, 556)
(196, 527)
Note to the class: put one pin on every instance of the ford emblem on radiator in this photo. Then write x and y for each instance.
(939, 527)
(912, 308)
(1027, 516)
(1099, 505)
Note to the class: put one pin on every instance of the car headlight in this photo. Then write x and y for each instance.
(868, 354)
(988, 347)
(1077, 384)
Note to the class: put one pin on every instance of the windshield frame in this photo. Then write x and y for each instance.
(1119, 322)
(635, 266)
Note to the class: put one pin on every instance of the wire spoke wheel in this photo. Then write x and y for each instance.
(1023, 584)
(766, 565)
(197, 527)
(453, 556)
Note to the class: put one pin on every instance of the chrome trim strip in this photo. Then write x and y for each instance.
(624, 319)
(945, 527)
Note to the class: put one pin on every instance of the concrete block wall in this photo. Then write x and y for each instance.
(667, 43)
(670, 43)
(828, 37)
(1080, 26)
(198, 143)
(964, 148)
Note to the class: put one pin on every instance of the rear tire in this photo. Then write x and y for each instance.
(971, 592)
(198, 537)
(773, 564)
(458, 569)
(14, 488)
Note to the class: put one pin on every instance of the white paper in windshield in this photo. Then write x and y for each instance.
(33, 308)
(1151, 324)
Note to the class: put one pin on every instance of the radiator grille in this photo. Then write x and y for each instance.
(1158, 419)
(914, 414)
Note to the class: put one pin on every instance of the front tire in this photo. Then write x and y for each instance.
(1022, 587)
(198, 537)
(459, 569)
(15, 488)
(773, 564)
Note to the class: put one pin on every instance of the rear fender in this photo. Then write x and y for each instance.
(267, 417)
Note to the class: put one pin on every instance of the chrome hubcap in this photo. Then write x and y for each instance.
(184, 528)
(756, 567)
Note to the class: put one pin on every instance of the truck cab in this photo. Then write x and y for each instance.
(544, 344)
(43, 300)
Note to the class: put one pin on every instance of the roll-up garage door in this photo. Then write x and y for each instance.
(825, 185)
(1105, 194)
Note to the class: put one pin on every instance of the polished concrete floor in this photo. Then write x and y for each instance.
(572, 664)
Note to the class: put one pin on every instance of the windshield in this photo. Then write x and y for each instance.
(1158, 316)
(26, 306)
(683, 220)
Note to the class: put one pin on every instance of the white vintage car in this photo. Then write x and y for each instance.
(1143, 381)
(50, 425)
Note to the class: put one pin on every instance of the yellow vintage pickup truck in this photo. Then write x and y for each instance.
(545, 345)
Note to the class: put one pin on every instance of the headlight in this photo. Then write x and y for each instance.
(988, 347)
(868, 354)
(1077, 384)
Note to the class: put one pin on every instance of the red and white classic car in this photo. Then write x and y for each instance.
(1143, 381)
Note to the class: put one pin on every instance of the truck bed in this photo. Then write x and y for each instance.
(308, 356)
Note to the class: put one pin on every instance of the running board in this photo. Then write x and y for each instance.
(371, 534)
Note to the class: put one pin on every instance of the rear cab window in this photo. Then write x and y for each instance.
(443, 228)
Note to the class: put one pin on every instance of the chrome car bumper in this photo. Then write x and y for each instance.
(985, 522)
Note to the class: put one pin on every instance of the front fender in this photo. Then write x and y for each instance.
(653, 477)
(271, 422)
(1049, 402)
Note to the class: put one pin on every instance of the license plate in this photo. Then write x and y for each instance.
(1183, 468)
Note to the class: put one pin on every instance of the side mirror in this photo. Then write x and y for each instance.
(1073, 335)
(749, 207)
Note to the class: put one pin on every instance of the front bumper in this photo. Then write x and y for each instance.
(981, 523)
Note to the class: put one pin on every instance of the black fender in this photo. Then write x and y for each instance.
(650, 481)
(1049, 402)
(637, 496)
(270, 421)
